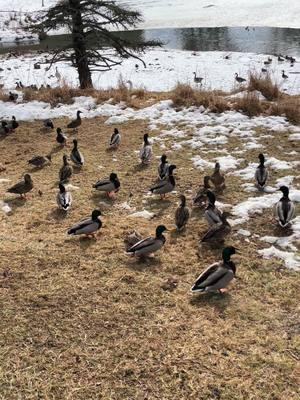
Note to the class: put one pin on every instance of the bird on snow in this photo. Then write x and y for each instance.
(201, 196)
(63, 198)
(218, 179)
(182, 214)
(212, 213)
(218, 275)
(48, 124)
(109, 185)
(13, 96)
(261, 173)
(146, 150)
(76, 156)
(166, 185)
(60, 137)
(115, 139)
(285, 209)
(12, 124)
(163, 167)
(40, 161)
(149, 245)
(197, 79)
(239, 79)
(76, 122)
(87, 226)
(23, 187)
(284, 75)
(66, 170)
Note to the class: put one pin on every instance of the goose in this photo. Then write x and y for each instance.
(267, 62)
(163, 167)
(4, 128)
(40, 161)
(63, 198)
(200, 199)
(60, 137)
(111, 186)
(87, 226)
(66, 170)
(270, 59)
(76, 156)
(13, 96)
(285, 209)
(218, 275)
(76, 122)
(280, 59)
(264, 70)
(22, 187)
(284, 76)
(115, 139)
(13, 124)
(57, 74)
(217, 233)
(166, 185)
(197, 79)
(182, 214)
(239, 79)
(146, 150)
(48, 124)
(261, 173)
(149, 245)
(218, 179)
(212, 213)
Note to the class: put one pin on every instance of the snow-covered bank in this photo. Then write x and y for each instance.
(165, 68)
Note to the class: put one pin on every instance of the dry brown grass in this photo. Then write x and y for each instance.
(249, 104)
(289, 107)
(79, 320)
(265, 86)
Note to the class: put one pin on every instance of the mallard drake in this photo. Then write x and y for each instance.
(76, 156)
(115, 139)
(66, 170)
(76, 122)
(218, 275)
(149, 245)
(163, 167)
(200, 199)
(166, 185)
(13, 124)
(218, 179)
(182, 214)
(60, 137)
(197, 79)
(239, 79)
(63, 198)
(212, 213)
(217, 232)
(22, 187)
(284, 75)
(40, 161)
(48, 124)
(87, 226)
(261, 173)
(110, 186)
(146, 150)
(285, 209)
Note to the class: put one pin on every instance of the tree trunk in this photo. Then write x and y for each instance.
(79, 44)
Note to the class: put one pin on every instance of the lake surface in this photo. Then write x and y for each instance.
(254, 40)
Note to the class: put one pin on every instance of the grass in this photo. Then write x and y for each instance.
(79, 320)
(249, 104)
(265, 86)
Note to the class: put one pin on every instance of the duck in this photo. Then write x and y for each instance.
(13, 96)
(217, 233)
(66, 170)
(23, 187)
(182, 214)
(264, 70)
(76, 122)
(40, 161)
(200, 199)
(197, 79)
(261, 173)
(57, 74)
(149, 245)
(280, 59)
(166, 185)
(212, 213)
(12, 124)
(239, 79)
(218, 179)
(218, 275)
(87, 226)
(48, 124)
(285, 209)
(146, 150)
(268, 62)
(4, 128)
(63, 198)
(115, 139)
(284, 76)
(111, 186)
(60, 137)
(163, 167)
(76, 156)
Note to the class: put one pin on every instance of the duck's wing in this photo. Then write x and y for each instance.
(284, 212)
(213, 216)
(142, 244)
(17, 188)
(77, 157)
(211, 276)
(145, 153)
(115, 139)
(85, 226)
(261, 175)
(104, 185)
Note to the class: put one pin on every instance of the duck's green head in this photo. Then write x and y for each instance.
(261, 158)
(171, 169)
(146, 138)
(75, 142)
(95, 214)
(217, 166)
(163, 158)
(27, 178)
(228, 252)
(182, 200)
(58, 130)
(285, 191)
(113, 176)
(116, 131)
(206, 181)
(160, 229)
